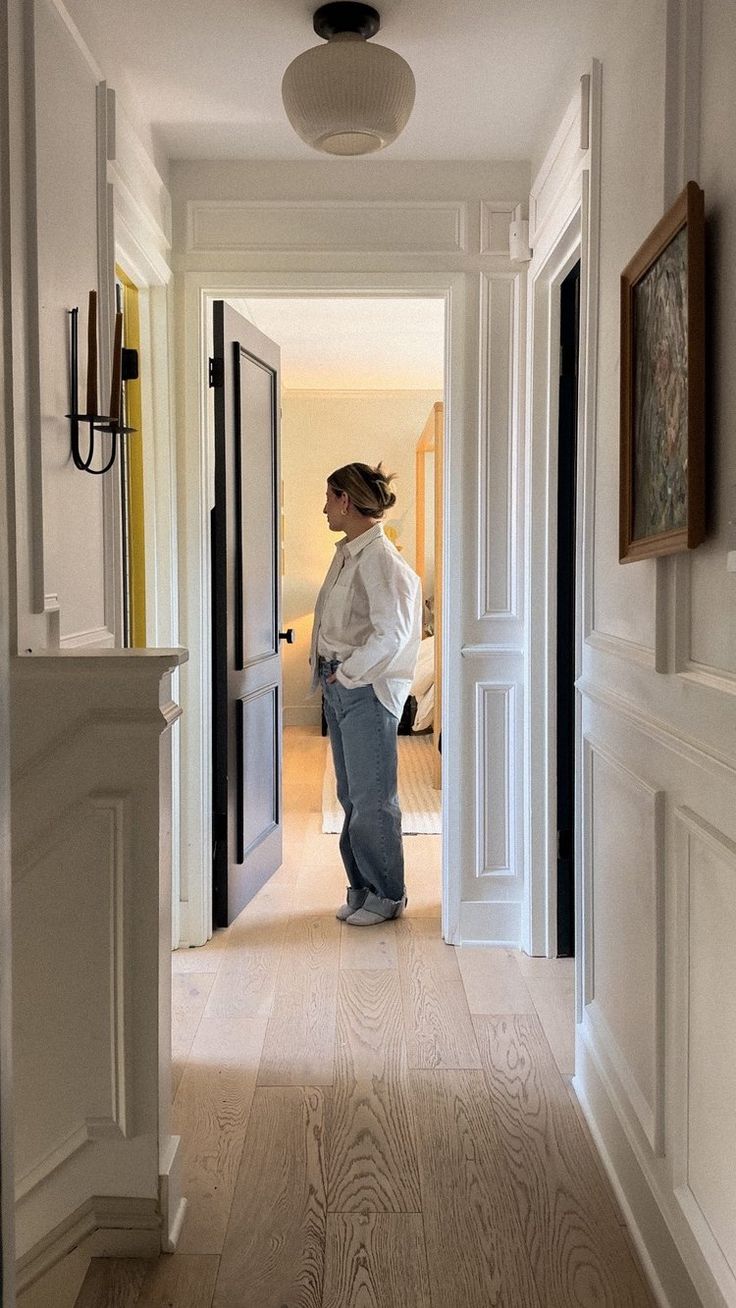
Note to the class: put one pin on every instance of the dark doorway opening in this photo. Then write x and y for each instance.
(566, 524)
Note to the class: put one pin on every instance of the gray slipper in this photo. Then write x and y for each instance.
(354, 901)
(376, 910)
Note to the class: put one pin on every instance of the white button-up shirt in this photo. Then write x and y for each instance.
(369, 616)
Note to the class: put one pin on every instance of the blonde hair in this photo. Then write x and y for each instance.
(369, 488)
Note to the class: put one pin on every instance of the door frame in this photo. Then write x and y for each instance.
(569, 232)
(197, 474)
(567, 916)
(541, 725)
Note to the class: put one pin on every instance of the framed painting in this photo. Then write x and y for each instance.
(662, 509)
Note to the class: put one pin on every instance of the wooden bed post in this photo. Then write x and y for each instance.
(431, 441)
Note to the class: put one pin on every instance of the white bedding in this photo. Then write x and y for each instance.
(422, 687)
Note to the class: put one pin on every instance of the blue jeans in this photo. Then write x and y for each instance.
(363, 739)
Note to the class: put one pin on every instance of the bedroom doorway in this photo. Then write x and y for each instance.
(362, 379)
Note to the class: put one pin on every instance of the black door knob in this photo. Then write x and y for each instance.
(288, 635)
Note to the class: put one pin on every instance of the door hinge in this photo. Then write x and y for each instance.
(216, 373)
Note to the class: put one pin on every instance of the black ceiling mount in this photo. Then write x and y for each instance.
(346, 16)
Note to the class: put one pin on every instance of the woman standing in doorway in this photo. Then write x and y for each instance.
(365, 641)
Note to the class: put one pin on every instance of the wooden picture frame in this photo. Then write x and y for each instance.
(662, 486)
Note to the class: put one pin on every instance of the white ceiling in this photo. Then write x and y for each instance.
(350, 343)
(205, 79)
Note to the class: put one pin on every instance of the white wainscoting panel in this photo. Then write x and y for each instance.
(70, 886)
(707, 1159)
(499, 446)
(624, 1012)
(91, 862)
(497, 800)
(422, 227)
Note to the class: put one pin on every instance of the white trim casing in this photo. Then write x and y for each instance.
(8, 55)
(196, 908)
(564, 209)
(308, 246)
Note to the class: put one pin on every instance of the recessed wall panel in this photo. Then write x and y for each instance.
(498, 449)
(424, 227)
(711, 1066)
(626, 851)
(69, 887)
(495, 772)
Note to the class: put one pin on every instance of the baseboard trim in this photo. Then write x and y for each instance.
(108, 1227)
(60, 1285)
(658, 1250)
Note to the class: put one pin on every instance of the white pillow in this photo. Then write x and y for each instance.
(424, 674)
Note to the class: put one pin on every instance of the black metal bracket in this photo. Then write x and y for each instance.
(95, 421)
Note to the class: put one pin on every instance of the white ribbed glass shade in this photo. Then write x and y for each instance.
(349, 96)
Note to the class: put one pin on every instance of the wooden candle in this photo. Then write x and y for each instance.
(92, 354)
(117, 362)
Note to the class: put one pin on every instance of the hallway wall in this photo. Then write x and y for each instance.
(655, 1066)
(337, 427)
(82, 188)
(91, 725)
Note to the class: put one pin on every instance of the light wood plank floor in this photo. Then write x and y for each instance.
(372, 1119)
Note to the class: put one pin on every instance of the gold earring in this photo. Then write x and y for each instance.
(343, 513)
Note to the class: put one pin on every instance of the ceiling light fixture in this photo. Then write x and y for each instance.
(348, 97)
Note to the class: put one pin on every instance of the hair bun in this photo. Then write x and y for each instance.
(369, 488)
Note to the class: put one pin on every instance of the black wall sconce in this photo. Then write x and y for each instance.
(124, 368)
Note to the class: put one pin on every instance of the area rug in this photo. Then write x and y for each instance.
(420, 802)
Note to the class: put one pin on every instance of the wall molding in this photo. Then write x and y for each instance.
(140, 242)
(94, 724)
(563, 159)
(694, 751)
(692, 829)
(328, 226)
(101, 636)
(126, 1227)
(699, 674)
(650, 1116)
(116, 1123)
(656, 1237)
(599, 1037)
(480, 651)
(499, 427)
(625, 649)
(495, 771)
